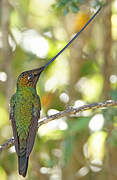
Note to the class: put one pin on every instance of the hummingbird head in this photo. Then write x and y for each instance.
(29, 78)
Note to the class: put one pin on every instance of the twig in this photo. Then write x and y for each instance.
(69, 111)
(7, 145)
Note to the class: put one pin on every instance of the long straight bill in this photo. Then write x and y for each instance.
(68, 44)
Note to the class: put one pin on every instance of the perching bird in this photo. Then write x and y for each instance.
(24, 114)
(25, 110)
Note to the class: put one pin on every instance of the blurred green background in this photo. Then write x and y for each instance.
(31, 32)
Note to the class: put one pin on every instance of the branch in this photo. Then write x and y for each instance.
(67, 112)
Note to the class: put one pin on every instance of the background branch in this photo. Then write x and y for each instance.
(68, 111)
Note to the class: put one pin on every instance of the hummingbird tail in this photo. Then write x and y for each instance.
(23, 164)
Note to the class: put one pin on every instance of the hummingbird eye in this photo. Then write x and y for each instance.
(30, 77)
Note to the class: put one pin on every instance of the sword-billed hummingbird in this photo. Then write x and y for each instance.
(25, 110)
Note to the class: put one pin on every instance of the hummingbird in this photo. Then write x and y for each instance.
(25, 109)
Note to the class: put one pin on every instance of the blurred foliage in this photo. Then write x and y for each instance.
(73, 5)
(83, 146)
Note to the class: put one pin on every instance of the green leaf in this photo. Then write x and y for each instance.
(61, 4)
(74, 8)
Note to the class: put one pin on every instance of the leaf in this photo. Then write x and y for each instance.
(61, 4)
(74, 8)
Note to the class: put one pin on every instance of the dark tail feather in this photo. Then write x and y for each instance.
(23, 164)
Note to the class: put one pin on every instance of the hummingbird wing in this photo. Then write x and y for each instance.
(33, 126)
(12, 118)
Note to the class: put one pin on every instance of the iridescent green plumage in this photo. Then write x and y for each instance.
(24, 114)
